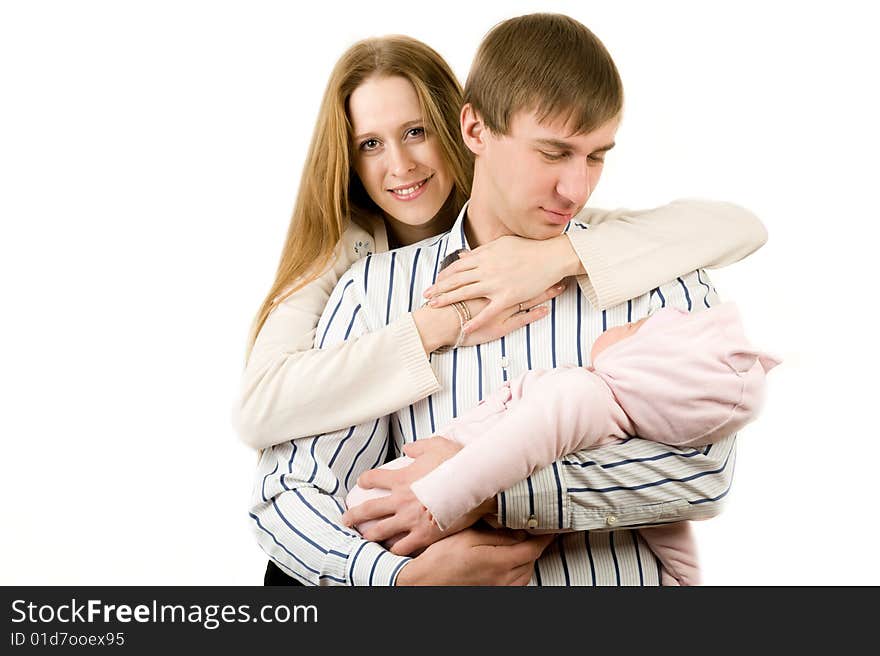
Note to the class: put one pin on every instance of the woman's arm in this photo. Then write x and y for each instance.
(292, 389)
(624, 254)
(627, 253)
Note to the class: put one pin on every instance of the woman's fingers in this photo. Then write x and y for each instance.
(457, 267)
(517, 317)
(463, 293)
(543, 297)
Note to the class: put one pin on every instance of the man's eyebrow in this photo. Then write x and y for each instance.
(405, 126)
(563, 145)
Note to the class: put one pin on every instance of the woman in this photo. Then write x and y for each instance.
(386, 168)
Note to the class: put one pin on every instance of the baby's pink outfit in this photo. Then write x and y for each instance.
(682, 379)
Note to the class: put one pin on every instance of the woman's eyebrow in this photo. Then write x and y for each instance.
(403, 126)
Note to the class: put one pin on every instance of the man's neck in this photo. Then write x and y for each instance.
(482, 224)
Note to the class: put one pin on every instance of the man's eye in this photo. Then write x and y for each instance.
(596, 159)
(369, 144)
(554, 157)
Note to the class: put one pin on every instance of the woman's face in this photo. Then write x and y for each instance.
(399, 164)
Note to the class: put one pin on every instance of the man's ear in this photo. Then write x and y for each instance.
(473, 131)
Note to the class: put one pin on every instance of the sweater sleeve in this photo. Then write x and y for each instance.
(627, 253)
(292, 384)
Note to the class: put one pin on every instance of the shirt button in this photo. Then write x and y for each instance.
(504, 361)
(533, 522)
(611, 520)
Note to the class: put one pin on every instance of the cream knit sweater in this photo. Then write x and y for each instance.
(291, 389)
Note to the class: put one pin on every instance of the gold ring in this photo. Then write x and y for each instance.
(519, 305)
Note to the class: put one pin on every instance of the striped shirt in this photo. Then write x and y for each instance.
(594, 497)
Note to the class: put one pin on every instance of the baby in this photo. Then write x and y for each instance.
(682, 379)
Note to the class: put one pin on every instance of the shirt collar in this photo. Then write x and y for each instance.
(456, 238)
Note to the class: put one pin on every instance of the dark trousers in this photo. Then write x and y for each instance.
(276, 576)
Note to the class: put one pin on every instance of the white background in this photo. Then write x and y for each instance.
(149, 158)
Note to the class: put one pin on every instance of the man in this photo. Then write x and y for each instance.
(543, 102)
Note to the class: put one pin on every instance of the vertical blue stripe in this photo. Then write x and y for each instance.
(503, 509)
(528, 346)
(390, 290)
(604, 321)
(590, 556)
(412, 422)
(503, 353)
(333, 315)
(662, 298)
(629, 311)
(436, 262)
(564, 562)
(686, 294)
(382, 454)
(531, 496)
(351, 323)
(553, 331)
(431, 413)
(614, 555)
(537, 574)
(267, 476)
(479, 374)
(558, 494)
(578, 333)
(367, 272)
(373, 568)
(358, 454)
(454, 380)
(312, 453)
(635, 537)
(412, 282)
(706, 295)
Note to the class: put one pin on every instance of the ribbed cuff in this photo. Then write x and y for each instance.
(372, 565)
(599, 284)
(538, 502)
(422, 380)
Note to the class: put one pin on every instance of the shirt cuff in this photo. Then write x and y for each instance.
(373, 565)
(538, 502)
(599, 284)
(423, 381)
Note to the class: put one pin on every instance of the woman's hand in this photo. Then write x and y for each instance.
(480, 329)
(511, 272)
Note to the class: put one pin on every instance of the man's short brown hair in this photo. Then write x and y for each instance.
(547, 63)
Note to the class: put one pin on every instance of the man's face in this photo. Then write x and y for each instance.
(540, 175)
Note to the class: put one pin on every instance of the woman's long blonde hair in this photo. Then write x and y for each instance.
(330, 192)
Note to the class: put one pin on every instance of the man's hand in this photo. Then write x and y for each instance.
(401, 514)
(477, 557)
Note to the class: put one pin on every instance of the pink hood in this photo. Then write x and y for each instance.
(687, 379)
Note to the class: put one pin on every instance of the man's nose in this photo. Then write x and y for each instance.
(401, 161)
(574, 183)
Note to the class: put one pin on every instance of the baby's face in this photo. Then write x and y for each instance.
(614, 335)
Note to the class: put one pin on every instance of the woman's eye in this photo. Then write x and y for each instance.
(369, 144)
(415, 132)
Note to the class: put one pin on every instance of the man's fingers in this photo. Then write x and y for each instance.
(405, 546)
(521, 574)
(386, 478)
(419, 447)
(373, 509)
(385, 528)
